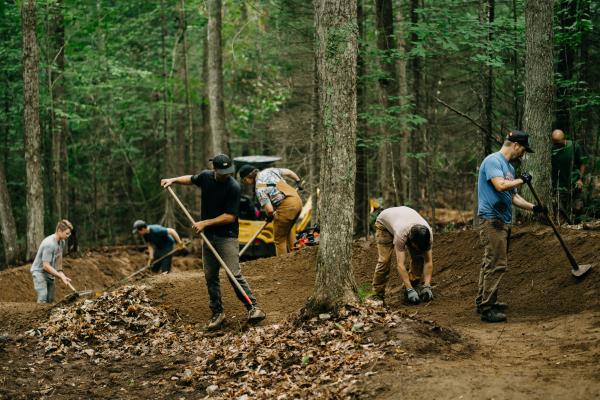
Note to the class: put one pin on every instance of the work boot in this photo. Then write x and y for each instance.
(255, 315)
(493, 315)
(216, 322)
(498, 306)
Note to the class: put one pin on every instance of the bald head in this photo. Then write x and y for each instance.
(558, 136)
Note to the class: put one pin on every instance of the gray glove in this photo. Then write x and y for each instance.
(426, 293)
(412, 296)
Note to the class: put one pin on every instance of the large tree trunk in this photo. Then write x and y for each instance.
(566, 62)
(218, 133)
(416, 135)
(7, 222)
(35, 190)
(361, 200)
(487, 8)
(388, 89)
(335, 23)
(539, 91)
(58, 125)
(401, 164)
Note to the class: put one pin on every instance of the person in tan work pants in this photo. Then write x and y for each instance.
(280, 201)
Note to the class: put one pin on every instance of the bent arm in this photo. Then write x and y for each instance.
(288, 173)
(181, 180)
(173, 233)
(401, 258)
(52, 271)
(502, 185)
(520, 202)
(428, 267)
(223, 219)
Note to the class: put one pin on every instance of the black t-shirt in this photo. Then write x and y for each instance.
(219, 198)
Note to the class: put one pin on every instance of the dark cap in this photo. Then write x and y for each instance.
(245, 170)
(139, 224)
(519, 137)
(222, 164)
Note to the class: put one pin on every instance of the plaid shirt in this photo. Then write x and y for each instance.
(269, 194)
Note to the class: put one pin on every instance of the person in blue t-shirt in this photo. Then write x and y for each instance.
(160, 241)
(497, 193)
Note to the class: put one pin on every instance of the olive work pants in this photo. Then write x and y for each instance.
(385, 248)
(285, 217)
(494, 236)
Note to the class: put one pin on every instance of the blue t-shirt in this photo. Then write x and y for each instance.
(492, 203)
(158, 236)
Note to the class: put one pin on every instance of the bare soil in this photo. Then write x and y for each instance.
(549, 348)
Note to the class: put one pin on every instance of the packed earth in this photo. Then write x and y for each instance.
(146, 337)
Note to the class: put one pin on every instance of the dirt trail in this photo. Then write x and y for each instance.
(550, 348)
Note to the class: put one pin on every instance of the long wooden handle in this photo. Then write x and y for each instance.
(252, 240)
(212, 249)
(555, 229)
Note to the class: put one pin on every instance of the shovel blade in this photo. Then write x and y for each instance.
(582, 270)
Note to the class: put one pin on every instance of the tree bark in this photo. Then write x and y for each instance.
(401, 170)
(361, 200)
(7, 222)
(487, 93)
(417, 133)
(335, 24)
(539, 92)
(35, 190)
(218, 133)
(388, 88)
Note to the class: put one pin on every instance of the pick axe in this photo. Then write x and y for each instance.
(212, 249)
(576, 269)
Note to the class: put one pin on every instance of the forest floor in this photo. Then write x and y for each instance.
(549, 348)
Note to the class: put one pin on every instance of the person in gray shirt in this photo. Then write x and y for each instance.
(48, 262)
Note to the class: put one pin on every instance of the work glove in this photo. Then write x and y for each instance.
(412, 296)
(180, 246)
(426, 293)
(269, 218)
(526, 177)
(538, 208)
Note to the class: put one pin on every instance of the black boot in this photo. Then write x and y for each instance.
(493, 315)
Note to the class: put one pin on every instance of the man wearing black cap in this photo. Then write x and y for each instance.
(219, 222)
(160, 241)
(280, 201)
(497, 193)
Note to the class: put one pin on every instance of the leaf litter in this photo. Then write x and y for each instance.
(315, 358)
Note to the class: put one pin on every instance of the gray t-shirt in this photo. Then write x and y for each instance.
(398, 221)
(50, 250)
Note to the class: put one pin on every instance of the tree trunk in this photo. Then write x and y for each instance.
(417, 133)
(35, 190)
(388, 88)
(218, 133)
(361, 200)
(402, 164)
(566, 61)
(539, 91)
(7, 222)
(487, 93)
(314, 148)
(335, 24)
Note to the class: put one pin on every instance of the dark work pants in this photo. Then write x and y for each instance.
(228, 249)
(164, 265)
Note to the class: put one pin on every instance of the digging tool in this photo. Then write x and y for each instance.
(139, 271)
(252, 239)
(576, 269)
(212, 249)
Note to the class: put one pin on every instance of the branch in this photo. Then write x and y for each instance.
(462, 114)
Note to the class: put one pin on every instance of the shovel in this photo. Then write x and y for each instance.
(212, 249)
(576, 269)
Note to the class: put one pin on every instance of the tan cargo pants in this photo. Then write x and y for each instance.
(285, 217)
(493, 235)
(385, 248)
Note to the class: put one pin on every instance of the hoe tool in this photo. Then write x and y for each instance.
(243, 250)
(212, 249)
(576, 269)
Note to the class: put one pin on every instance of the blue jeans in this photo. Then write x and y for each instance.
(44, 287)
(228, 249)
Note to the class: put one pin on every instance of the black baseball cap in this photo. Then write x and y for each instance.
(222, 164)
(139, 224)
(245, 170)
(519, 137)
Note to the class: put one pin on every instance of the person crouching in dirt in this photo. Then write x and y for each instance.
(160, 242)
(220, 202)
(280, 201)
(402, 229)
(48, 262)
(497, 193)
